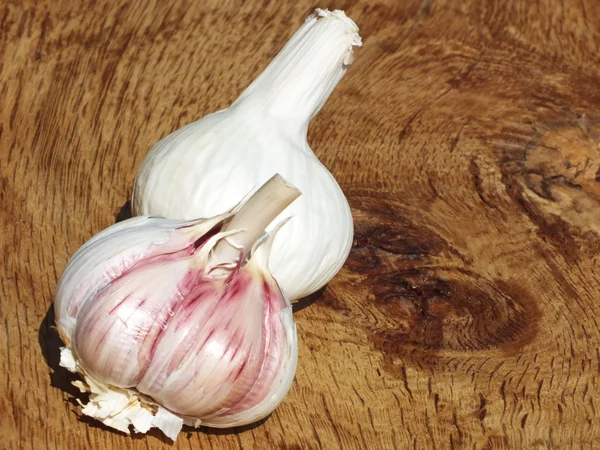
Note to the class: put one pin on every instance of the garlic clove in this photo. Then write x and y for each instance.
(113, 251)
(127, 317)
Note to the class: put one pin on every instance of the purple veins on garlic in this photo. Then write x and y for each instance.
(174, 322)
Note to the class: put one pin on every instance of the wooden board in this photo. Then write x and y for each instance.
(467, 138)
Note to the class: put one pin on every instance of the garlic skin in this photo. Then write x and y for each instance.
(208, 166)
(161, 337)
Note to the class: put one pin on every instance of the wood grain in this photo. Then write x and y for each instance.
(467, 138)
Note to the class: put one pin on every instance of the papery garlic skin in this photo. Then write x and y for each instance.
(160, 341)
(105, 257)
(208, 166)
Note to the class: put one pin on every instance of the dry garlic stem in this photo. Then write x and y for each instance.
(253, 217)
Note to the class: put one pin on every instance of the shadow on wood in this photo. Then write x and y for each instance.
(305, 302)
(124, 212)
(50, 344)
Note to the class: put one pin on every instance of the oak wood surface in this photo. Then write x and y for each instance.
(466, 136)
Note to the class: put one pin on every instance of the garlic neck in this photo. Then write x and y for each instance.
(251, 219)
(299, 80)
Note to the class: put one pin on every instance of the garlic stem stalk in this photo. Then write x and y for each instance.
(252, 218)
(302, 76)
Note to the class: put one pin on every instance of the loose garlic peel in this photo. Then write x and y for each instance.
(180, 322)
(265, 132)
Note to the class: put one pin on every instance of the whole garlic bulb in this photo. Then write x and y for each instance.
(170, 322)
(207, 167)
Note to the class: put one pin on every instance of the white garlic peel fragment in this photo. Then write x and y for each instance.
(167, 325)
(208, 166)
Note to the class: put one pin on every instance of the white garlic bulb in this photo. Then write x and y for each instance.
(207, 167)
(173, 322)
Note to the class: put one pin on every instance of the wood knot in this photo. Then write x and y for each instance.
(564, 157)
(440, 309)
(424, 306)
(554, 180)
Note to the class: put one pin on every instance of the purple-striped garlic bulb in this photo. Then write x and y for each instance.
(174, 322)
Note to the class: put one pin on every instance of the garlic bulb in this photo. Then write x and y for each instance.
(264, 132)
(172, 322)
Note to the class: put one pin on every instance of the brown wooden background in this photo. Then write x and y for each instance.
(467, 138)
